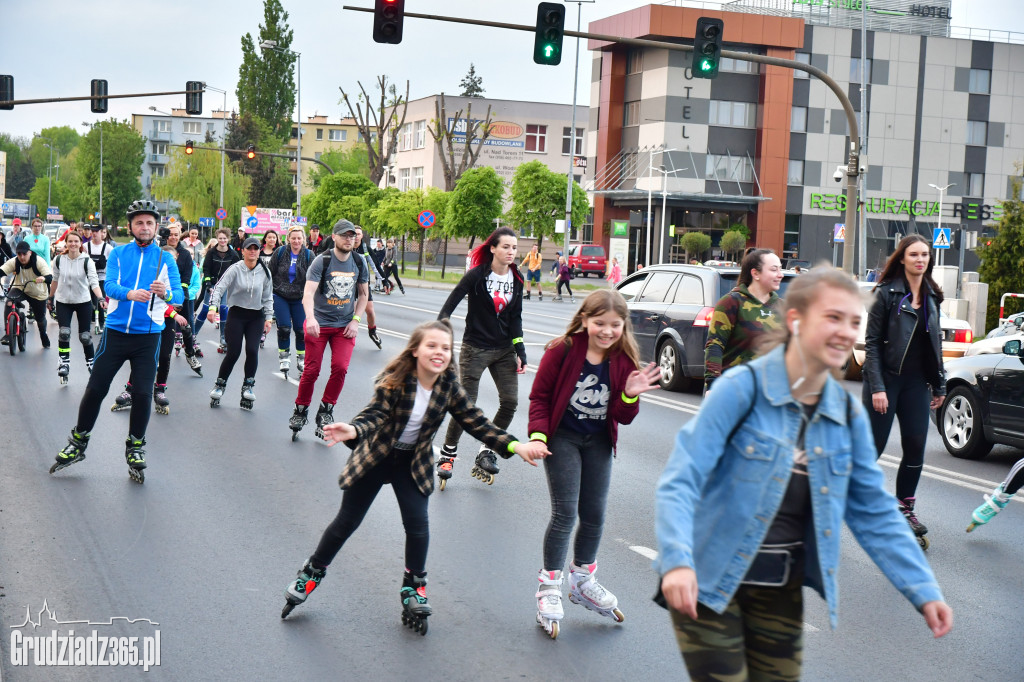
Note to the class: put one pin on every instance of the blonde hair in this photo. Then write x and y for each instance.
(594, 305)
(393, 376)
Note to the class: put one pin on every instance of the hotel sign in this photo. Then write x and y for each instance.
(896, 9)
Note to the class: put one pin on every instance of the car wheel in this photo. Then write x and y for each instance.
(672, 378)
(961, 426)
(853, 370)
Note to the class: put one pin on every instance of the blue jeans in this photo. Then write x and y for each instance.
(201, 317)
(579, 472)
(290, 315)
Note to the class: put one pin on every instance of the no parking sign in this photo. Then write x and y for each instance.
(426, 219)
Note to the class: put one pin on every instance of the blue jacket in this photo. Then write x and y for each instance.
(716, 500)
(133, 267)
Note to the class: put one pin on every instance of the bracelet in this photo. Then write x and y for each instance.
(356, 318)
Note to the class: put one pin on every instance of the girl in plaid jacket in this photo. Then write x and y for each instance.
(391, 441)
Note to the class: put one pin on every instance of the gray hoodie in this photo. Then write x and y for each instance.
(75, 278)
(241, 287)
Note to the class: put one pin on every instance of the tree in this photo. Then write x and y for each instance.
(472, 84)
(266, 78)
(349, 160)
(538, 199)
(194, 183)
(457, 135)
(64, 138)
(695, 244)
(124, 150)
(436, 201)
(379, 125)
(270, 181)
(732, 243)
(319, 207)
(1002, 258)
(474, 204)
(21, 175)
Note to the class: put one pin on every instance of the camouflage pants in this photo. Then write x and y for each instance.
(759, 637)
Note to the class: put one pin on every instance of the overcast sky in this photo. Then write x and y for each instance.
(54, 48)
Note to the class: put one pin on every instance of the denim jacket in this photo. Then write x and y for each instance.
(716, 499)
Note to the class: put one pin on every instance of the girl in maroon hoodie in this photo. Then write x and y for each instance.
(588, 383)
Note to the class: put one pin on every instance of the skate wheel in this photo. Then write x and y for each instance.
(923, 541)
(422, 629)
(971, 526)
(137, 475)
(405, 619)
(490, 479)
(287, 609)
(617, 615)
(441, 484)
(295, 436)
(55, 468)
(554, 630)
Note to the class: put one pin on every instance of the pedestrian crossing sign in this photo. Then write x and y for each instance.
(839, 234)
(940, 238)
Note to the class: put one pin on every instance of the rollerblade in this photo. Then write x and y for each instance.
(163, 405)
(123, 401)
(526, 296)
(222, 348)
(136, 458)
(299, 419)
(307, 581)
(73, 452)
(177, 344)
(586, 591)
(263, 339)
(549, 601)
(194, 363)
(994, 503)
(486, 466)
(218, 392)
(248, 396)
(920, 530)
(324, 416)
(375, 338)
(63, 370)
(300, 361)
(445, 465)
(284, 362)
(89, 363)
(415, 608)
(197, 348)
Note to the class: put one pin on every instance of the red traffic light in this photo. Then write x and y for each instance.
(251, 152)
(189, 146)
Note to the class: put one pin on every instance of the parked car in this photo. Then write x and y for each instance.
(1009, 326)
(587, 259)
(984, 402)
(993, 345)
(790, 263)
(957, 336)
(670, 308)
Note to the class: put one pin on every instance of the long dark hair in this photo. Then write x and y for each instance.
(895, 270)
(753, 260)
(393, 376)
(482, 254)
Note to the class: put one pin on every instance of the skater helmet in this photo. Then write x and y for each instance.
(142, 206)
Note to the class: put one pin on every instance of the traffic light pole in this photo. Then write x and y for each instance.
(49, 100)
(852, 169)
(257, 153)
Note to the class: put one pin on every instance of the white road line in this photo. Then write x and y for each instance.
(645, 551)
(929, 467)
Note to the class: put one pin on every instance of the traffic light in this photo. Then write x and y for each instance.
(6, 91)
(194, 98)
(99, 89)
(251, 152)
(547, 41)
(707, 47)
(189, 147)
(387, 21)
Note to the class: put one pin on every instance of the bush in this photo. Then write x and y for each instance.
(695, 244)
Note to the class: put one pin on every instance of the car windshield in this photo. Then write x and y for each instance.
(592, 251)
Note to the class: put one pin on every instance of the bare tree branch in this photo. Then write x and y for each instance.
(444, 137)
(376, 121)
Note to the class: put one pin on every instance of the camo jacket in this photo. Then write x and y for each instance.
(738, 322)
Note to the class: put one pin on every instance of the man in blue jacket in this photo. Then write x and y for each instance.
(142, 280)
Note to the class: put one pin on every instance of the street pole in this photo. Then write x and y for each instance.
(223, 135)
(49, 177)
(942, 193)
(960, 269)
(272, 45)
(101, 172)
(650, 183)
(664, 207)
(572, 131)
(862, 222)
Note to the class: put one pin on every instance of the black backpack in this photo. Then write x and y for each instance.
(326, 261)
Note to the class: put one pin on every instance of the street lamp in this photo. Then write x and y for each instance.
(650, 187)
(49, 179)
(664, 205)
(160, 112)
(101, 167)
(572, 130)
(223, 135)
(272, 45)
(942, 192)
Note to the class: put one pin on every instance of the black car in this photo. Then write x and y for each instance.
(984, 403)
(670, 308)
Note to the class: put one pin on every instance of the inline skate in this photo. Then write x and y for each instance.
(586, 591)
(308, 579)
(160, 401)
(63, 370)
(324, 417)
(549, 602)
(194, 363)
(445, 466)
(198, 349)
(375, 337)
(263, 339)
(177, 344)
(920, 530)
(135, 456)
(994, 503)
(300, 361)
(486, 466)
(123, 401)
(248, 396)
(299, 419)
(283, 362)
(73, 452)
(415, 608)
(218, 392)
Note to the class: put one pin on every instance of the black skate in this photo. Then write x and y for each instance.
(375, 338)
(218, 392)
(135, 456)
(415, 608)
(73, 452)
(920, 530)
(263, 339)
(160, 401)
(194, 364)
(63, 370)
(123, 401)
(324, 417)
(177, 344)
(445, 465)
(300, 588)
(248, 396)
(299, 419)
(486, 466)
(222, 348)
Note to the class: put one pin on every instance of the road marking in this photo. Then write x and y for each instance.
(644, 551)
(947, 476)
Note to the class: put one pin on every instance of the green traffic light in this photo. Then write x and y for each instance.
(706, 65)
(549, 51)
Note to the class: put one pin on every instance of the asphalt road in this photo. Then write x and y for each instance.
(231, 508)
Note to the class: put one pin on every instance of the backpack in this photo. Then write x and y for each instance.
(326, 261)
(305, 257)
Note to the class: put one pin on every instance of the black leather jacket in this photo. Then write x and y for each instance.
(891, 323)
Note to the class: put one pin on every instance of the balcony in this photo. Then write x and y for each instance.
(160, 135)
(159, 159)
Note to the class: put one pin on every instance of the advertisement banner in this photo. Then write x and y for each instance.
(257, 220)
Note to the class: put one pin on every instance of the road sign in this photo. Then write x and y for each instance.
(206, 222)
(839, 236)
(940, 238)
(251, 222)
(222, 214)
(426, 219)
(301, 220)
(261, 220)
(52, 210)
(5, 207)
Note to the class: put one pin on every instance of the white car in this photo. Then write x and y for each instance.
(993, 345)
(957, 336)
(1010, 325)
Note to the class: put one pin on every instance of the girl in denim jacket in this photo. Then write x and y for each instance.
(749, 506)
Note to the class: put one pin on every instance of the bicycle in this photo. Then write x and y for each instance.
(15, 320)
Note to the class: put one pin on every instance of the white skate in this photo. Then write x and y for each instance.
(549, 601)
(586, 591)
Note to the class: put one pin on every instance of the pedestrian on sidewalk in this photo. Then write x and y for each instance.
(614, 273)
(391, 267)
(564, 275)
(533, 263)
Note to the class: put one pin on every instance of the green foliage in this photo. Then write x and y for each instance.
(266, 78)
(395, 213)
(474, 204)
(320, 206)
(193, 182)
(21, 174)
(741, 228)
(472, 84)
(1002, 260)
(538, 199)
(436, 201)
(349, 160)
(270, 181)
(695, 244)
(64, 138)
(733, 242)
(124, 150)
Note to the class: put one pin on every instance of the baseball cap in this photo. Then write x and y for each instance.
(22, 247)
(344, 227)
(250, 241)
(95, 227)
(314, 226)
(16, 222)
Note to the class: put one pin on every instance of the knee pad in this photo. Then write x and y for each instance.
(84, 337)
(283, 333)
(64, 335)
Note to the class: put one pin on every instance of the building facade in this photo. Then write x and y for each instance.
(760, 145)
(318, 137)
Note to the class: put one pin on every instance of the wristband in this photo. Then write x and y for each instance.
(512, 446)
(356, 318)
(172, 314)
(627, 399)
(537, 435)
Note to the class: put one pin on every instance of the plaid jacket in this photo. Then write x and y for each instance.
(381, 422)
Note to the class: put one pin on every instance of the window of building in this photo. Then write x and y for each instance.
(193, 128)
(974, 184)
(855, 70)
(634, 61)
(295, 132)
(373, 137)
(740, 114)
(403, 179)
(803, 58)
(211, 128)
(566, 134)
(405, 137)
(294, 180)
(631, 113)
(159, 147)
(319, 134)
(163, 126)
(977, 133)
(337, 135)
(419, 137)
(978, 81)
(536, 138)
(737, 66)
(798, 120)
(159, 171)
(317, 155)
(791, 237)
(733, 169)
(417, 178)
(796, 172)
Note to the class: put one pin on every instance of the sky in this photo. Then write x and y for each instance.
(53, 48)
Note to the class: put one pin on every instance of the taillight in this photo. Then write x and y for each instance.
(963, 336)
(703, 318)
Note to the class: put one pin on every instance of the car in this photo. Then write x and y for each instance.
(791, 263)
(1010, 325)
(587, 259)
(957, 337)
(721, 263)
(984, 403)
(993, 345)
(670, 309)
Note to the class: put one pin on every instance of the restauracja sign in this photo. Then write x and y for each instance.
(966, 211)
